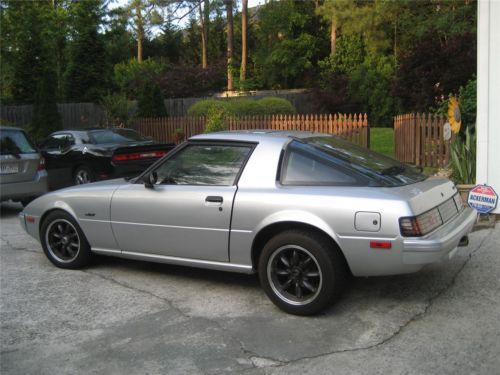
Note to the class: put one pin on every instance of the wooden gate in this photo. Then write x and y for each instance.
(418, 139)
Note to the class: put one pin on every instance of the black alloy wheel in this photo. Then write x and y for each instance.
(301, 272)
(63, 241)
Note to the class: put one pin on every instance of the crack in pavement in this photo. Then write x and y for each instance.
(12, 247)
(418, 316)
(247, 353)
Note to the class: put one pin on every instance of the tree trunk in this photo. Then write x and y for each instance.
(140, 31)
(230, 37)
(333, 38)
(204, 20)
(244, 25)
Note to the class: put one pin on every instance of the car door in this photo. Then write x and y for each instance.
(59, 165)
(186, 212)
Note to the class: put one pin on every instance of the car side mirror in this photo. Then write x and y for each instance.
(150, 180)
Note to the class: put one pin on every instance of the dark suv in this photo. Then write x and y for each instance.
(22, 169)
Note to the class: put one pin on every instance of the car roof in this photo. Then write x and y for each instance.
(258, 135)
(10, 128)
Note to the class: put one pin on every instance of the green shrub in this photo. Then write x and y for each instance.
(118, 110)
(203, 107)
(463, 158)
(243, 107)
(150, 102)
(215, 120)
(273, 105)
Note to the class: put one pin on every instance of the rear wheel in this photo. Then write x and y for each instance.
(301, 272)
(83, 175)
(63, 241)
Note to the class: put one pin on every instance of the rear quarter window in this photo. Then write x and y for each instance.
(15, 142)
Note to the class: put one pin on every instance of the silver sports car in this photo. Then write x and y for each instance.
(302, 209)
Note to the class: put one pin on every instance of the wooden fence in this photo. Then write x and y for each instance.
(354, 127)
(418, 139)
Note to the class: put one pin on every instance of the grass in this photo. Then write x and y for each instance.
(382, 141)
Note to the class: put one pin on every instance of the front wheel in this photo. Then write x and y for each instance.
(301, 272)
(83, 175)
(63, 241)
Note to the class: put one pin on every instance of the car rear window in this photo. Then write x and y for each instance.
(116, 136)
(334, 161)
(15, 142)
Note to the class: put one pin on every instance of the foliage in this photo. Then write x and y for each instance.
(273, 105)
(463, 158)
(242, 107)
(289, 43)
(183, 81)
(117, 109)
(430, 70)
(84, 76)
(26, 42)
(130, 76)
(215, 119)
(150, 102)
(46, 118)
(349, 55)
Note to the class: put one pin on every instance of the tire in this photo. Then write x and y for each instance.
(301, 272)
(83, 175)
(63, 241)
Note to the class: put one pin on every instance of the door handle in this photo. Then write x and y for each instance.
(214, 199)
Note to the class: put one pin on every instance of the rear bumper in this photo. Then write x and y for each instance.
(26, 189)
(441, 243)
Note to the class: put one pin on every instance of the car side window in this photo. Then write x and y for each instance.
(305, 168)
(59, 142)
(204, 164)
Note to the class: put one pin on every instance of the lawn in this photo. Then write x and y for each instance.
(382, 140)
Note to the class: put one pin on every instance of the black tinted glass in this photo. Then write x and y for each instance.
(15, 142)
(217, 165)
(116, 136)
(332, 160)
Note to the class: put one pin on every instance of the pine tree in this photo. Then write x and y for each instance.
(150, 103)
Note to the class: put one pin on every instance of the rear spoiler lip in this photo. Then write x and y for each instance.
(144, 148)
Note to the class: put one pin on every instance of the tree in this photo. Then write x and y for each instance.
(24, 41)
(150, 103)
(46, 117)
(86, 70)
(230, 38)
(244, 45)
(204, 21)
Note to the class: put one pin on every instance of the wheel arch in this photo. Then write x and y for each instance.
(66, 209)
(271, 230)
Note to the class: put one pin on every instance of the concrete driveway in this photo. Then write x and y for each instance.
(127, 317)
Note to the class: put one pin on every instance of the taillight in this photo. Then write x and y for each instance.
(420, 225)
(139, 155)
(41, 164)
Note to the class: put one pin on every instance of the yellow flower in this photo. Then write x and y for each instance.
(454, 115)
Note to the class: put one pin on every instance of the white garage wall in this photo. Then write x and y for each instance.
(488, 95)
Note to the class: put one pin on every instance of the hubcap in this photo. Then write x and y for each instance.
(62, 240)
(294, 275)
(82, 177)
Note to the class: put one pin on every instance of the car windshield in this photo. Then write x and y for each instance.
(15, 142)
(119, 136)
(380, 170)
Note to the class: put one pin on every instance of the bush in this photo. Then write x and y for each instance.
(150, 103)
(215, 120)
(203, 107)
(273, 105)
(130, 76)
(243, 107)
(118, 109)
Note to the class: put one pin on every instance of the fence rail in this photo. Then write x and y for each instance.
(418, 139)
(351, 126)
